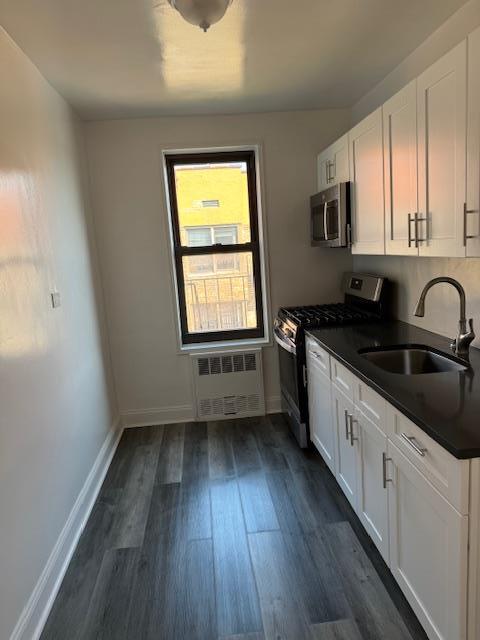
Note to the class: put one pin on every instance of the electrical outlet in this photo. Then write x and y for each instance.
(56, 301)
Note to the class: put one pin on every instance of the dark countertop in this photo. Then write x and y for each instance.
(445, 405)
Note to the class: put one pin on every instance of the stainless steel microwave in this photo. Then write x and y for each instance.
(330, 217)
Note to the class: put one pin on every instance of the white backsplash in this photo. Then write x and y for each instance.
(409, 275)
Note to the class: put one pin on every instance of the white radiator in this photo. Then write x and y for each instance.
(228, 384)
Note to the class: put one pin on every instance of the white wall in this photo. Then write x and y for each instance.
(55, 399)
(410, 274)
(453, 31)
(124, 157)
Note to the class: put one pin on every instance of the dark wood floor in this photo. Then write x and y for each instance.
(225, 530)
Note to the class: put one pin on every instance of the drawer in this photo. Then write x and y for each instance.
(371, 404)
(446, 473)
(342, 378)
(316, 354)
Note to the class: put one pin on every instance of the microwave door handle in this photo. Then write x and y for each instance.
(325, 216)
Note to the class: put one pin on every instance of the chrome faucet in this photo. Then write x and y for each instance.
(461, 344)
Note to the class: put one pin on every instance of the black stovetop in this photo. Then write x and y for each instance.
(323, 315)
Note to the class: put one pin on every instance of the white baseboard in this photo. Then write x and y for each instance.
(37, 609)
(178, 413)
(273, 404)
(153, 416)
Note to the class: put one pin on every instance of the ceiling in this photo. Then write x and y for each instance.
(125, 58)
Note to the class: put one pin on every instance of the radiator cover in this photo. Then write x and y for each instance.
(228, 384)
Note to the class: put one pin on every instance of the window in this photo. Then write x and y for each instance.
(210, 203)
(213, 203)
(201, 236)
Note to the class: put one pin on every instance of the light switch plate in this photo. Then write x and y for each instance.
(56, 301)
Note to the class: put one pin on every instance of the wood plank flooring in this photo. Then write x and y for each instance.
(225, 531)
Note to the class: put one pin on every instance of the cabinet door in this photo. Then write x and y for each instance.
(340, 168)
(323, 169)
(441, 115)
(366, 174)
(428, 550)
(472, 213)
(400, 162)
(320, 411)
(346, 446)
(372, 506)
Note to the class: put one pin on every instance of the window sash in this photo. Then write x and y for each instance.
(252, 247)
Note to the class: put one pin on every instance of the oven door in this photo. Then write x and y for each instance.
(292, 388)
(289, 375)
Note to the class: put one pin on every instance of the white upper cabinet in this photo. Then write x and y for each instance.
(441, 118)
(400, 163)
(367, 189)
(414, 171)
(472, 207)
(333, 165)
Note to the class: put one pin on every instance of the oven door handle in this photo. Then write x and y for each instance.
(283, 343)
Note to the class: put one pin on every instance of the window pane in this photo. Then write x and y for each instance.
(225, 235)
(213, 196)
(198, 236)
(223, 299)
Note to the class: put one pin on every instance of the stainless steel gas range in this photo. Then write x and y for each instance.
(364, 301)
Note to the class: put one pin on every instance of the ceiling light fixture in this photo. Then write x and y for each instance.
(201, 13)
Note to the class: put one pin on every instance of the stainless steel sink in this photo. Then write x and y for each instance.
(411, 360)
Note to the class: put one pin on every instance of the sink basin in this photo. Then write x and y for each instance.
(411, 360)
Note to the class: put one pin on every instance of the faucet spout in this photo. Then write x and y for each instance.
(420, 308)
(461, 343)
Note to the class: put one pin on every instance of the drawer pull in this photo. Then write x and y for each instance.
(384, 467)
(347, 432)
(414, 444)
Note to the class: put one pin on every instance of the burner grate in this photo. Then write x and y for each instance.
(328, 314)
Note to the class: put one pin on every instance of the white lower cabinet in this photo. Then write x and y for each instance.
(410, 494)
(320, 408)
(372, 505)
(346, 445)
(428, 549)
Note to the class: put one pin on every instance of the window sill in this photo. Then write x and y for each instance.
(226, 345)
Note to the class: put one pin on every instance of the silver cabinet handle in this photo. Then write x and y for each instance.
(304, 371)
(414, 444)
(416, 220)
(352, 437)
(415, 226)
(347, 433)
(331, 176)
(384, 469)
(327, 177)
(466, 211)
